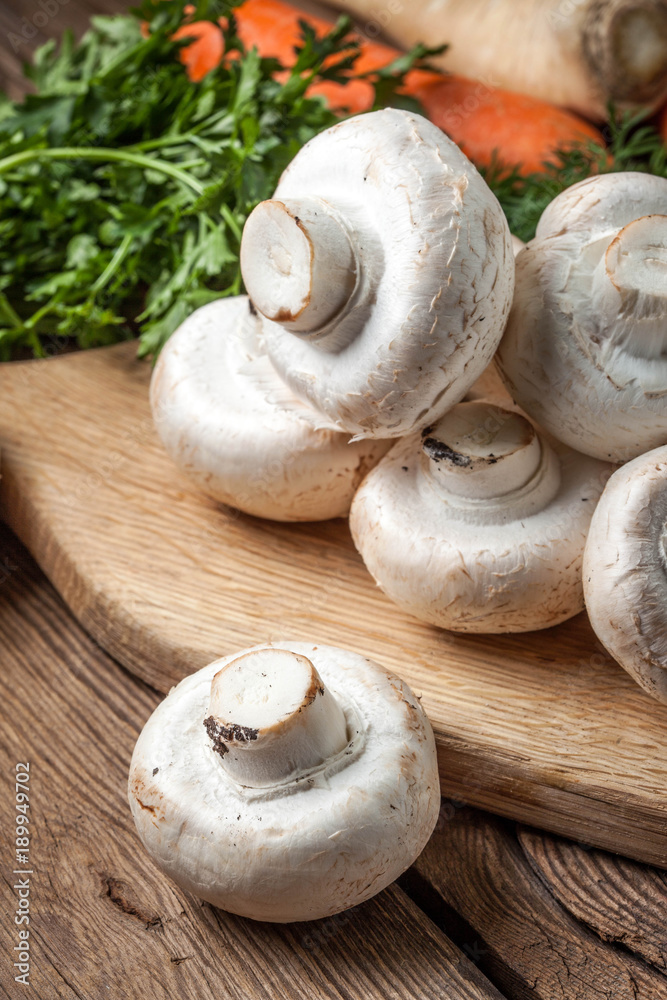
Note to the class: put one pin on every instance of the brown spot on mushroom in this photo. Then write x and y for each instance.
(364, 466)
(311, 694)
(143, 805)
(146, 794)
(285, 316)
(221, 735)
(439, 451)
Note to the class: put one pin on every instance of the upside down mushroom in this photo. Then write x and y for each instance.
(491, 517)
(286, 782)
(585, 349)
(384, 271)
(625, 570)
(238, 432)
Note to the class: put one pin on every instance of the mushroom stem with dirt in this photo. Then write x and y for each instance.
(581, 54)
(286, 782)
(625, 570)
(240, 435)
(384, 271)
(492, 520)
(272, 719)
(585, 349)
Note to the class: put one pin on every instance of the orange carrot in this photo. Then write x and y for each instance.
(273, 27)
(205, 52)
(483, 120)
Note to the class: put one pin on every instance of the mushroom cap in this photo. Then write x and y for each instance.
(502, 563)
(239, 433)
(579, 354)
(434, 283)
(308, 847)
(625, 570)
(602, 204)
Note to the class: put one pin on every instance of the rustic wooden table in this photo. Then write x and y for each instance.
(489, 910)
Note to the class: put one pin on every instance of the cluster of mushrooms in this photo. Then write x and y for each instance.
(391, 361)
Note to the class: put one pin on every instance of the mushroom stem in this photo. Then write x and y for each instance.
(299, 264)
(630, 287)
(271, 718)
(480, 451)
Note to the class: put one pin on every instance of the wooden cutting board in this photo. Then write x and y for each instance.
(543, 727)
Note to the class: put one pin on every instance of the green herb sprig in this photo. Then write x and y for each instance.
(124, 186)
(632, 145)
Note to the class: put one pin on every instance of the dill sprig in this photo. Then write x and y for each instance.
(632, 144)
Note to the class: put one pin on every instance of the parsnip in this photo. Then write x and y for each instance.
(576, 53)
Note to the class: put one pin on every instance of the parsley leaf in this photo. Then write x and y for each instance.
(124, 186)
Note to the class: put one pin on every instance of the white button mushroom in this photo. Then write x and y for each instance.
(239, 433)
(383, 267)
(288, 782)
(625, 570)
(585, 350)
(479, 524)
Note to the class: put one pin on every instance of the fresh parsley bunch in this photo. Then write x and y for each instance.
(124, 186)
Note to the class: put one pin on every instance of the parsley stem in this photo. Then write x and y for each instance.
(90, 153)
(31, 323)
(113, 265)
(10, 312)
(161, 142)
(226, 213)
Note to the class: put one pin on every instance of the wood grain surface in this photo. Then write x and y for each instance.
(542, 727)
(621, 900)
(477, 883)
(104, 921)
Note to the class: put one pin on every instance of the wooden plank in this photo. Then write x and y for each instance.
(166, 580)
(620, 900)
(477, 883)
(104, 921)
